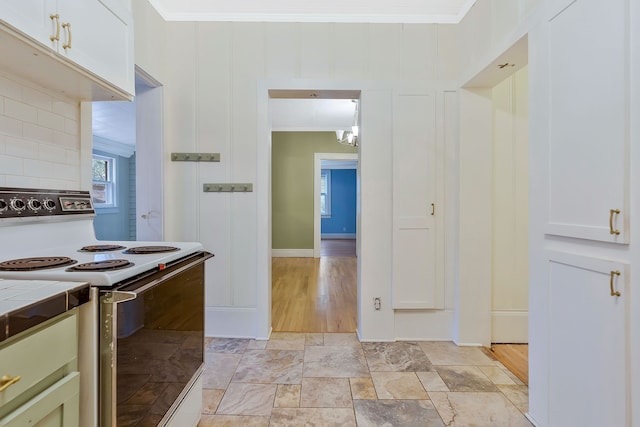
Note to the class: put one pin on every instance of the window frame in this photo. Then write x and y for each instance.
(111, 200)
(326, 175)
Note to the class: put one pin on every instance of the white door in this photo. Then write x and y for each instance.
(588, 318)
(414, 210)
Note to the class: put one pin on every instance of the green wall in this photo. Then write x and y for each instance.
(292, 156)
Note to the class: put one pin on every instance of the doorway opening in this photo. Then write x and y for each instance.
(499, 173)
(127, 164)
(335, 218)
(310, 292)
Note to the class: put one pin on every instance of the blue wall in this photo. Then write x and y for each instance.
(114, 223)
(343, 203)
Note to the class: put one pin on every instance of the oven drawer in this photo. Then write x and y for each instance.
(41, 357)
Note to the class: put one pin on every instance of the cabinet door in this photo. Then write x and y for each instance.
(414, 175)
(587, 339)
(101, 40)
(31, 17)
(57, 406)
(589, 121)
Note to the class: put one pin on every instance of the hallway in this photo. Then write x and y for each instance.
(328, 379)
(316, 294)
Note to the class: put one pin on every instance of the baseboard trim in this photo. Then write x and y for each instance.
(510, 327)
(349, 236)
(423, 325)
(292, 253)
(230, 322)
(530, 418)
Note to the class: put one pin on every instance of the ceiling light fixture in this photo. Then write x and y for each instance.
(350, 137)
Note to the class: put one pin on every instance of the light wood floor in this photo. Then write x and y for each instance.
(338, 247)
(319, 295)
(315, 294)
(514, 357)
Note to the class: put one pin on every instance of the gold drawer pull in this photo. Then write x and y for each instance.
(56, 18)
(613, 293)
(6, 382)
(67, 45)
(611, 212)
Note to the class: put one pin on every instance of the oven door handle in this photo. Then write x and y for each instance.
(116, 297)
(166, 277)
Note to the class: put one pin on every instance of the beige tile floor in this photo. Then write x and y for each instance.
(298, 379)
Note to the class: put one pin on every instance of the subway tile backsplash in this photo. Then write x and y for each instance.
(39, 137)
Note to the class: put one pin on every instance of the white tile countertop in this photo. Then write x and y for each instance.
(26, 303)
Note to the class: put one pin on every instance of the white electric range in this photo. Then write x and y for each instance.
(146, 324)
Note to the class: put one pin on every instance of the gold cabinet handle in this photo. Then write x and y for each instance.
(55, 18)
(67, 27)
(613, 274)
(611, 213)
(6, 381)
(433, 209)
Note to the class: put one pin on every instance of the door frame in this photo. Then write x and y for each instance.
(317, 217)
(262, 319)
(149, 157)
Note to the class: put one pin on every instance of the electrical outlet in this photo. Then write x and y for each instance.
(377, 303)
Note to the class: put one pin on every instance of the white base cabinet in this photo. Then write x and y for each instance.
(48, 389)
(588, 313)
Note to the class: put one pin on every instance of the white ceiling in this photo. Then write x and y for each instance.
(312, 114)
(372, 11)
(115, 121)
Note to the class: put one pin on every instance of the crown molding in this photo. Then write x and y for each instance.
(231, 13)
(314, 18)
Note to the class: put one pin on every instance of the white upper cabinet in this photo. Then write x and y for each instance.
(33, 17)
(95, 35)
(100, 40)
(589, 121)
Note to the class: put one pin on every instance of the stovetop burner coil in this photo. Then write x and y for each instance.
(143, 250)
(36, 263)
(101, 248)
(106, 265)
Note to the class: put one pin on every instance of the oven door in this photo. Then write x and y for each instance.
(151, 343)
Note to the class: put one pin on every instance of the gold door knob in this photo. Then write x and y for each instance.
(612, 275)
(6, 381)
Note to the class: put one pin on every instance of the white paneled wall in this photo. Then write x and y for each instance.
(491, 27)
(39, 137)
(216, 77)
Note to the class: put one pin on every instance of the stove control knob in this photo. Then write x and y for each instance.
(17, 204)
(34, 204)
(49, 204)
(3, 206)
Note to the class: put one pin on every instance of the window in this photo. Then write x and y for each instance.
(104, 182)
(325, 193)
